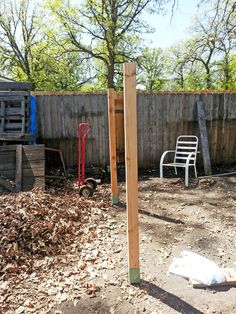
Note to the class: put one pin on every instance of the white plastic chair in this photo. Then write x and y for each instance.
(185, 155)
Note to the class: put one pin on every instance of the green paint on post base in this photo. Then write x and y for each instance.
(114, 200)
(134, 275)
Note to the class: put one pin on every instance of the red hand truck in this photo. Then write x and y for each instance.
(86, 186)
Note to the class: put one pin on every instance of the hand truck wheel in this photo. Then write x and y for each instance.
(92, 182)
(86, 191)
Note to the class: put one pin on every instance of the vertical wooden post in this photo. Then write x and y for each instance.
(23, 116)
(131, 167)
(18, 174)
(120, 137)
(112, 144)
(2, 127)
(204, 139)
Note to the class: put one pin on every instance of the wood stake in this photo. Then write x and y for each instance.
(131, 166)
(18, 174)
(112, 144)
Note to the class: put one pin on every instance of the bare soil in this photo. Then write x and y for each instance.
(173, 218)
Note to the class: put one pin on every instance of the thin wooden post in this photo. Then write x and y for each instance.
(131, 166)
(204, 139)
(112, 144)
(23, 116)
(18, 174)
(2, 128)
(120, 138)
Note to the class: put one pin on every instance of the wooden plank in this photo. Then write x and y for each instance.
(146, 139)
(100, 124)
(14, 93)
(152, 132)
(226, 128)
(112, 144)
(23, 116)
(7, 148)
(106, 130)
(16, 137)
(165, 123)
(204, 139)
(18, 177)
(4, 86)
(31, 148)
(38, 163)
(131, 165)
(220, 130)
(140, 106)
(10, 98)
(26, 172)
(13, 118)
(13, 126)
(215, 127)
(103, 125)
(34, 172)
(40, 120)
(9, 173)
(7, 162)
(2, 128)
(232, 130)
(159, 129)
(119, 122)
(95, 131)
(33, 155)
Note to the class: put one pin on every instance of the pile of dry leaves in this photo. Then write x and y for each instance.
(37, 224)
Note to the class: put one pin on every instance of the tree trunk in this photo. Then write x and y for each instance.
(208, 78)
(110, 74)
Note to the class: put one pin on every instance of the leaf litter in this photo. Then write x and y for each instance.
(49, 243)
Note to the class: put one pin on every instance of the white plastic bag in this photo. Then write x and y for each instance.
(194, 266)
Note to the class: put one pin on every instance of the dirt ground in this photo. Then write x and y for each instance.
(173, 218)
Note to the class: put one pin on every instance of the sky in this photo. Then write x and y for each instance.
(169, 32)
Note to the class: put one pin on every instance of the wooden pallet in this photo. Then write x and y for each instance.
(14, 112)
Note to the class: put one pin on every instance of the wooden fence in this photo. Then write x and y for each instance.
(161, 118)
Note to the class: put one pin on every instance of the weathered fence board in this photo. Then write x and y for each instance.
(161, 118)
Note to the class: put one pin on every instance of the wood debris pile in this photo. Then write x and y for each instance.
(36, 224)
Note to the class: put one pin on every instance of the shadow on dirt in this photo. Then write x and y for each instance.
(168, 298)
(122, 207)
(164, 218)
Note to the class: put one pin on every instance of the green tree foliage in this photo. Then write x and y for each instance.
(152, 64)
(28, 52)
(107, 31)
(20, 32)
(204, 61)
(82, 45)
